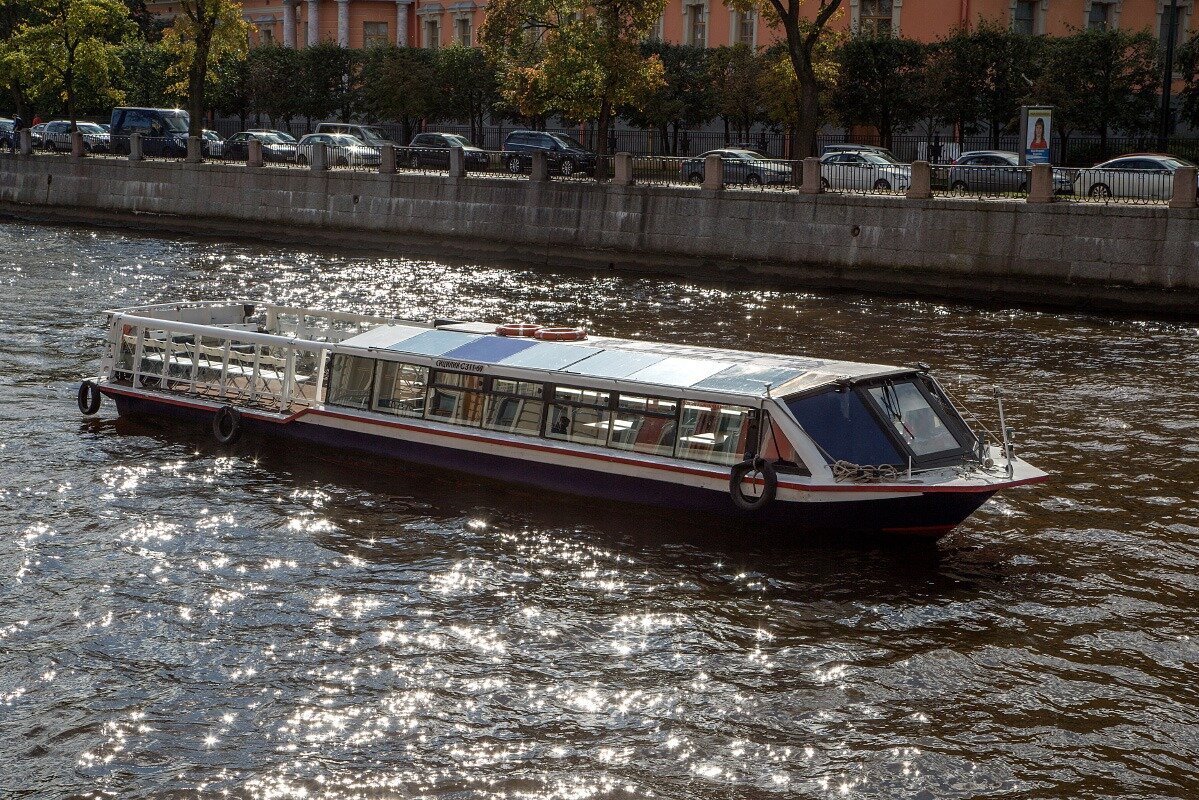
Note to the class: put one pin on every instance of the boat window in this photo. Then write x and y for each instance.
(350, 384)
(645, 425)
(777, 449)
(456, 397)
(579, 415)
(514, 407)
(400, 389)
(713, 433)
(843, 427)
(913, 417)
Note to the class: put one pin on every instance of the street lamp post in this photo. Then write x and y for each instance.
(1163, 131)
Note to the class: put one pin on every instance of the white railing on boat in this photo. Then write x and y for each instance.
(325, 326)
(269, 371)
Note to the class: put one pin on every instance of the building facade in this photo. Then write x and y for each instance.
(707, 23)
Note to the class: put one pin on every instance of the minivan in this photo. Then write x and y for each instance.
(565, 154)
(370, 135)
(163, 130)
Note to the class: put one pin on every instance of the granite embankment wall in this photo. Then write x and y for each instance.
(1115, 257)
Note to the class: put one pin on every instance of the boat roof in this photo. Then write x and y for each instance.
(676, 366)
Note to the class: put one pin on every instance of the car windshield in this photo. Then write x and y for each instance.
(373, 133)
(176, 121)
(213, 135)
(746, 155)
(345, 140)
(457, 141)
(1176, 162)
(877, 158)
(270, 138)
(285, 137)
(569, 141)
(89, 127)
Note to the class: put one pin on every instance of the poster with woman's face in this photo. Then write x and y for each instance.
(1036, 146)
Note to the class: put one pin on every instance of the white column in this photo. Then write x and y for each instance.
(289, 23)
(343, 23)
(402, 22)
(314, 24)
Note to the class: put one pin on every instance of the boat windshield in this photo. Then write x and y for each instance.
(915, 422)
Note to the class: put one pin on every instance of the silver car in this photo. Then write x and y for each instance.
(997, 172)
(343, 150)
(57, 136)
(747, 167)
(863, 170)
(1141, 176)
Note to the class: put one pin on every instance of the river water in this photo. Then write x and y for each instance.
(179, 619)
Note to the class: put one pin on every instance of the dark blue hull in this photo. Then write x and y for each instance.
(929, 514)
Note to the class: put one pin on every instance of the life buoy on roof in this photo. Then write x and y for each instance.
(560, 334)
(517, 329)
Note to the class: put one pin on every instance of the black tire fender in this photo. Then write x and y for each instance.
(88, 398)
(226, 425)
(770, 484)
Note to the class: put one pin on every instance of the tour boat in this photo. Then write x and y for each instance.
(803, 443)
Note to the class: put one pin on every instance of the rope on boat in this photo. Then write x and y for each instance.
(864, 473)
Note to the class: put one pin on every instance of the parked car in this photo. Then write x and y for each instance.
(858, 148)
(564, 154)
(740, 167)
(433, 150)
(863, 170)
(996, 172)
(370, 135)
(36, 133)
(274, 147)
(344, 150)
(214, 144)
(283, 136)
(163, 130)
(6, 134)
(57, 136)
(1144, 176)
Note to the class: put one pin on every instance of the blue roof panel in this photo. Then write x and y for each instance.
(491, 349)
(433, 343)
(615, 363)
(549, 355)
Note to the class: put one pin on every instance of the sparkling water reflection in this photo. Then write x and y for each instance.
(178, 619)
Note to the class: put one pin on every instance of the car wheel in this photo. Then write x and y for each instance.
(514, 165)
(695, 177)
(1100, 191)
(754, 180)
(414, 161)
(882, 185)
(824, 185)
(960, 187)
(567, 168)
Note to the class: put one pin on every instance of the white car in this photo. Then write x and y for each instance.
(1141, 176)
(863, 170)
(343, 150)
(57, 136)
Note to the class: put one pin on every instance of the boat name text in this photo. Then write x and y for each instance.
(463, 366)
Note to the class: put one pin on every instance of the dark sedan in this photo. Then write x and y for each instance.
(433, 150)
(274, 147)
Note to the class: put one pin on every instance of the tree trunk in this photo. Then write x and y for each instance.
(195, 85)
(605, 121)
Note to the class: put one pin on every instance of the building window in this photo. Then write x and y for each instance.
(1024, 17)
(462, 31)
(743, 28)
(266, 36)
(1180, 21)
(697, 31)
(374, 34)
(1100, 16)
(432, 33)
(874, 17)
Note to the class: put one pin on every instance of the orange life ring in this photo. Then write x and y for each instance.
(560, 334)
(517, 329)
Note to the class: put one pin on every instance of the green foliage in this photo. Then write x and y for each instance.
(1011, 67)
(1188, 64)
(68, 50)
(145, 66)
(737, 78)
(272, 72)
(1101, 80)
(202, 34)
(228, 90)
(882, 80)
(578, 58)
(328, 75)
(399, 83)
(467, 85)
(683, 99)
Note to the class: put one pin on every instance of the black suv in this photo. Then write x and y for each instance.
(566, 156)
(433, 149)
(164, 130)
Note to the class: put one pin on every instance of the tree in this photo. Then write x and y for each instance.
(271, 72)
(880, 83)
(329, 81)
(683, 99)
(228, 91)
(802, 41)
(398, 83)
(68, 48)
(737, 88)
(1187, 62)
(1099, 81)
(579, 58)
(1011, 68)
(956, 76)
(12, 14)
(145, 66)
(199, 37)
(468, 88)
